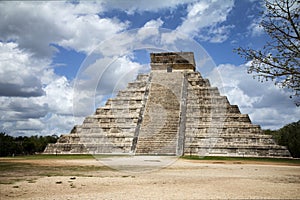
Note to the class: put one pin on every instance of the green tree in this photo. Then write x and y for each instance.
(29, 145)
(24, 145)
(279, 59)
(289, 136)
(6, 143)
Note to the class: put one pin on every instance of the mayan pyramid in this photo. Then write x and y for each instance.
(170, 111)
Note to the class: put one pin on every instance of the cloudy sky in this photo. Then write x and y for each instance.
(61, 60)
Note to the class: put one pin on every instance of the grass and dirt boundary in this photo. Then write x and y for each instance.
(14, 169)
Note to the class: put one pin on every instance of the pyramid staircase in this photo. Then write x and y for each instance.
(159, 130)
(170, 111)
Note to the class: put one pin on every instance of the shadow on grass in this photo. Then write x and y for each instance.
(12, 172)
(53, 156)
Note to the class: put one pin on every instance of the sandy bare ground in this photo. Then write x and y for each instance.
(184, 179)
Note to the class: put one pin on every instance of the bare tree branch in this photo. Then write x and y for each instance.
(279, 60)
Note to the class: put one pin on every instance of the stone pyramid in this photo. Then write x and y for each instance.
(170, 111)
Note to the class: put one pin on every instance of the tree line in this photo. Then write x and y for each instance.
(23, 145)
(288, 136)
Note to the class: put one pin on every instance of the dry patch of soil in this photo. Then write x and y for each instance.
(184, 179)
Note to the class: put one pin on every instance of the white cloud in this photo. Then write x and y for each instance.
(30, 90)
(125, 42)
(36, 25)
(216, 34)
(266, 104)
(58, 124)
(255, 29)
(141, 6)
(17, 72)
(116, 45)
(59, 96)
(89, 31)
(29, 124)
(197, 9)
(204, 20)
(149, 29)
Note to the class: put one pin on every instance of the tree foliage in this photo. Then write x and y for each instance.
(279, 59)
(10, 146)
(289, 136)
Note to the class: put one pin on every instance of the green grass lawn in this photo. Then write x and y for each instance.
(218, 158)
(12, 170)
(53, 156)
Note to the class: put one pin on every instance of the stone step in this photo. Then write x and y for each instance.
(118, 108)
(155, 144)
(193, 107)
(137, 85)
(217, 119)
(198, 82)
(107, 125)
(203, 92)
(215, 124)
(224, 133)
(251, 151)
(148, 142)
(125, 100)
(219, 115)
(193, 74)
(107, 135)
(112, 116)
(208, 100)
(210, 142)
(227, 136)
(99, 129)
(237, 146)
(132, 92)
(142, 77)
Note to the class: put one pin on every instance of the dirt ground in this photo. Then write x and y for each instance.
(184, 179)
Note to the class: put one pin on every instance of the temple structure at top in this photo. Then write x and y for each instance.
(172, 110)
(173, 61)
